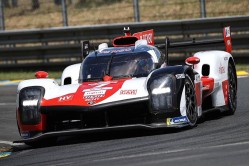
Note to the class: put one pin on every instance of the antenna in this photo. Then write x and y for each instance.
(167, 44)
(127, 31)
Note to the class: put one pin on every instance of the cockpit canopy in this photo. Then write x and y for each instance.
(117, 65)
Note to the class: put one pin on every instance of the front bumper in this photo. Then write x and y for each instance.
(72, 132)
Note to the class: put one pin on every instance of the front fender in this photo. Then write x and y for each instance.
(165, 86)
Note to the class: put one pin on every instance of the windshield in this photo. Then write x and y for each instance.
(123, 65)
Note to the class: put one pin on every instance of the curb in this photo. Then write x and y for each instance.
(16, 82)
(5, 151)
(8, 82)
(242, 73)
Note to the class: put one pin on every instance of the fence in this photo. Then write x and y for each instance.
(27, 14)
(59, 47)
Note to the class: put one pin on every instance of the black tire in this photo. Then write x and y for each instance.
(191, 108)
(232, 90)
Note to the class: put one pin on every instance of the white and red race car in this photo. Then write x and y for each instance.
(129, 85)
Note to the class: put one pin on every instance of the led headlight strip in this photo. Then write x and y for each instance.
(29, 104)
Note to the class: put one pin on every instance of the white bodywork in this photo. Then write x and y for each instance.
(218, 62)
(72, 72)
(53, 90)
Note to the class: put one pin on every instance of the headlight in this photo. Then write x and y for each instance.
(161, 93)
(29, 104)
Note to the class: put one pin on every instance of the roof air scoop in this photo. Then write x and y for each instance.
(124, 41)
(129, 40)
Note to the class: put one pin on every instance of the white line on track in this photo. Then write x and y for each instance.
(4, 104)
(242, 76)
(172, 151)
(10, 143)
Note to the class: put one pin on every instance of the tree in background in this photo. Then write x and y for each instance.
(58, 2)
(35, 4)
(6, 3)
(14, 3)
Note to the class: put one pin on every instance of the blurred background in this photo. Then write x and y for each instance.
(27, 14)
(46, 34)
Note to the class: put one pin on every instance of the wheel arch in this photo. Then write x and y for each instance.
(178, 74)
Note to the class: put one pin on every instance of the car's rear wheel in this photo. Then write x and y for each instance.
(191, 109)
(232, 90)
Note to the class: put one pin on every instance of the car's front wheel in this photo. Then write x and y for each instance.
(232, 90)
(191, 107)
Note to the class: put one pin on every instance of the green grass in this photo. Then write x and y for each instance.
(23, 75)
(242, 67)
(91, 12)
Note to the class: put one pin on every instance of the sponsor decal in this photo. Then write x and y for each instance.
(221, 69)
(146, 35)
(225, 90)
(198, 93)
(180, 76)
(95, 92)
(116, 51)
(177, 120)
(93, 97)
(197, 78)
(25, 135)
(99, 86)
(227, 29)
(65, 98)
(102, 83)
(128, 92)
(91, 103)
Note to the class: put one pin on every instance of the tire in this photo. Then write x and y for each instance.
(232, 90)
(191, 108)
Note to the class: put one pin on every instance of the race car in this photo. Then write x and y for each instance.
(128, 85)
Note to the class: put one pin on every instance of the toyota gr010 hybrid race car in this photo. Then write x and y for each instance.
(129, 85)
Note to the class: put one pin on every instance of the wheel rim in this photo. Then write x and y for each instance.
(232, 89)
(190, 102)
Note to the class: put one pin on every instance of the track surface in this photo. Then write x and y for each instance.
(219, 140)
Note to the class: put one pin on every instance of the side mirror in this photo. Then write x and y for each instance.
(41, 74)
(192, 60)
(85, 48)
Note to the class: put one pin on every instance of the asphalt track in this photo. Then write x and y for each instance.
(219, 140)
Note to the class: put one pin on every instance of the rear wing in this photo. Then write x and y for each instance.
(146, 35)
(226, 40)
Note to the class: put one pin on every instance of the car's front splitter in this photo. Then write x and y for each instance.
(92, 130)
